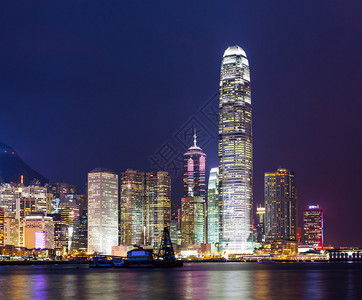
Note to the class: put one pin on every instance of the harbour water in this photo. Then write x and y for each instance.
(193, 281)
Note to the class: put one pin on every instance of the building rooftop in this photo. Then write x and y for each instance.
(234, 50)
(101, 170)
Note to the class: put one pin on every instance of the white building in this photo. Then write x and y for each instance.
(38, 232)
(102, 211)
(235, 153)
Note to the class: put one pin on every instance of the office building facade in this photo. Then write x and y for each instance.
(235, 152)
(193, 229)
(213, 207)
(313, 226)
(280, 205)
(157, 206)
(132, 207)
(102, 211)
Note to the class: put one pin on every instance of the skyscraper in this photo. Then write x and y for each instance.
(193, 225)
(102, 211)
(158, 206)
(193, 205)
(280, 205)
(2, 226)
(235, 152)
(38, 232)
(132, 207)
(213, 207)
(194, 172)
(313, 226)
(260, 226)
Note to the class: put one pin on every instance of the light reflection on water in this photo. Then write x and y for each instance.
(193, 281)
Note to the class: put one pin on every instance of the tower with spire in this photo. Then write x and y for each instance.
(193, 206)
(194, 171)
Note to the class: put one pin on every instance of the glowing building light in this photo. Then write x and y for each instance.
(235, 152)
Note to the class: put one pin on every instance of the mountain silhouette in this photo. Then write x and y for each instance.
(12, 167)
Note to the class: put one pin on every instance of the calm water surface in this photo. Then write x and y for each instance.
(193, 281)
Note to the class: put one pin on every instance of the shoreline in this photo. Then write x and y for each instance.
(49, 262)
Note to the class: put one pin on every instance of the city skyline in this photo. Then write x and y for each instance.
(74, 86)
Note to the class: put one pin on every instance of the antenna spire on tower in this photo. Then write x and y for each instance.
(195, 136)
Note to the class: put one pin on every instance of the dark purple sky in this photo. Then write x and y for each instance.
(87, 84)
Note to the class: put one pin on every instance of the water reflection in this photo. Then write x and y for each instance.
(193, 281)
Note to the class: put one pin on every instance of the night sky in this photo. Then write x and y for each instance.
(87, 84)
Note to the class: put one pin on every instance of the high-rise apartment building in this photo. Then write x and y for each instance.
(158, 206)
(132, 207)
(313, 226)
(235, 152)
(213, 204)
(280, 205)
(102, 211)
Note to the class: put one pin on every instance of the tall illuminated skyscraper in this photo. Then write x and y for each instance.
(132, 207)
(102, 211)
(260, 226)
(194, 172)
(313, 226)
(157, 206)
(235, 152)
(193, 225)
(280, 206)
(213, 207)
(193, 205)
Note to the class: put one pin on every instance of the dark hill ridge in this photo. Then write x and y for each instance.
(12, 167)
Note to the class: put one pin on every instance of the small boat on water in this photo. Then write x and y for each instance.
(101, 262)
(266, 261)
(139, 258)
(118, 262)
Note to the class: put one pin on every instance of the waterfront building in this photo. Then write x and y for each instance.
(12, 230)
(157, 206)
(235, 152)
(8, 194)
(345, 254)
(313, 226)
(2, 226)
(194, 172)
(61, 236)
(23, 207)
(260, 226)
(132, 208)
(102, 211)
(193, 225)
(280, 205)
(82, 232)
(38, 232)
(175, 224)
(69, 211)
(213, 207)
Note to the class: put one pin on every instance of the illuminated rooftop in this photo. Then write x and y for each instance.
(234, 50)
